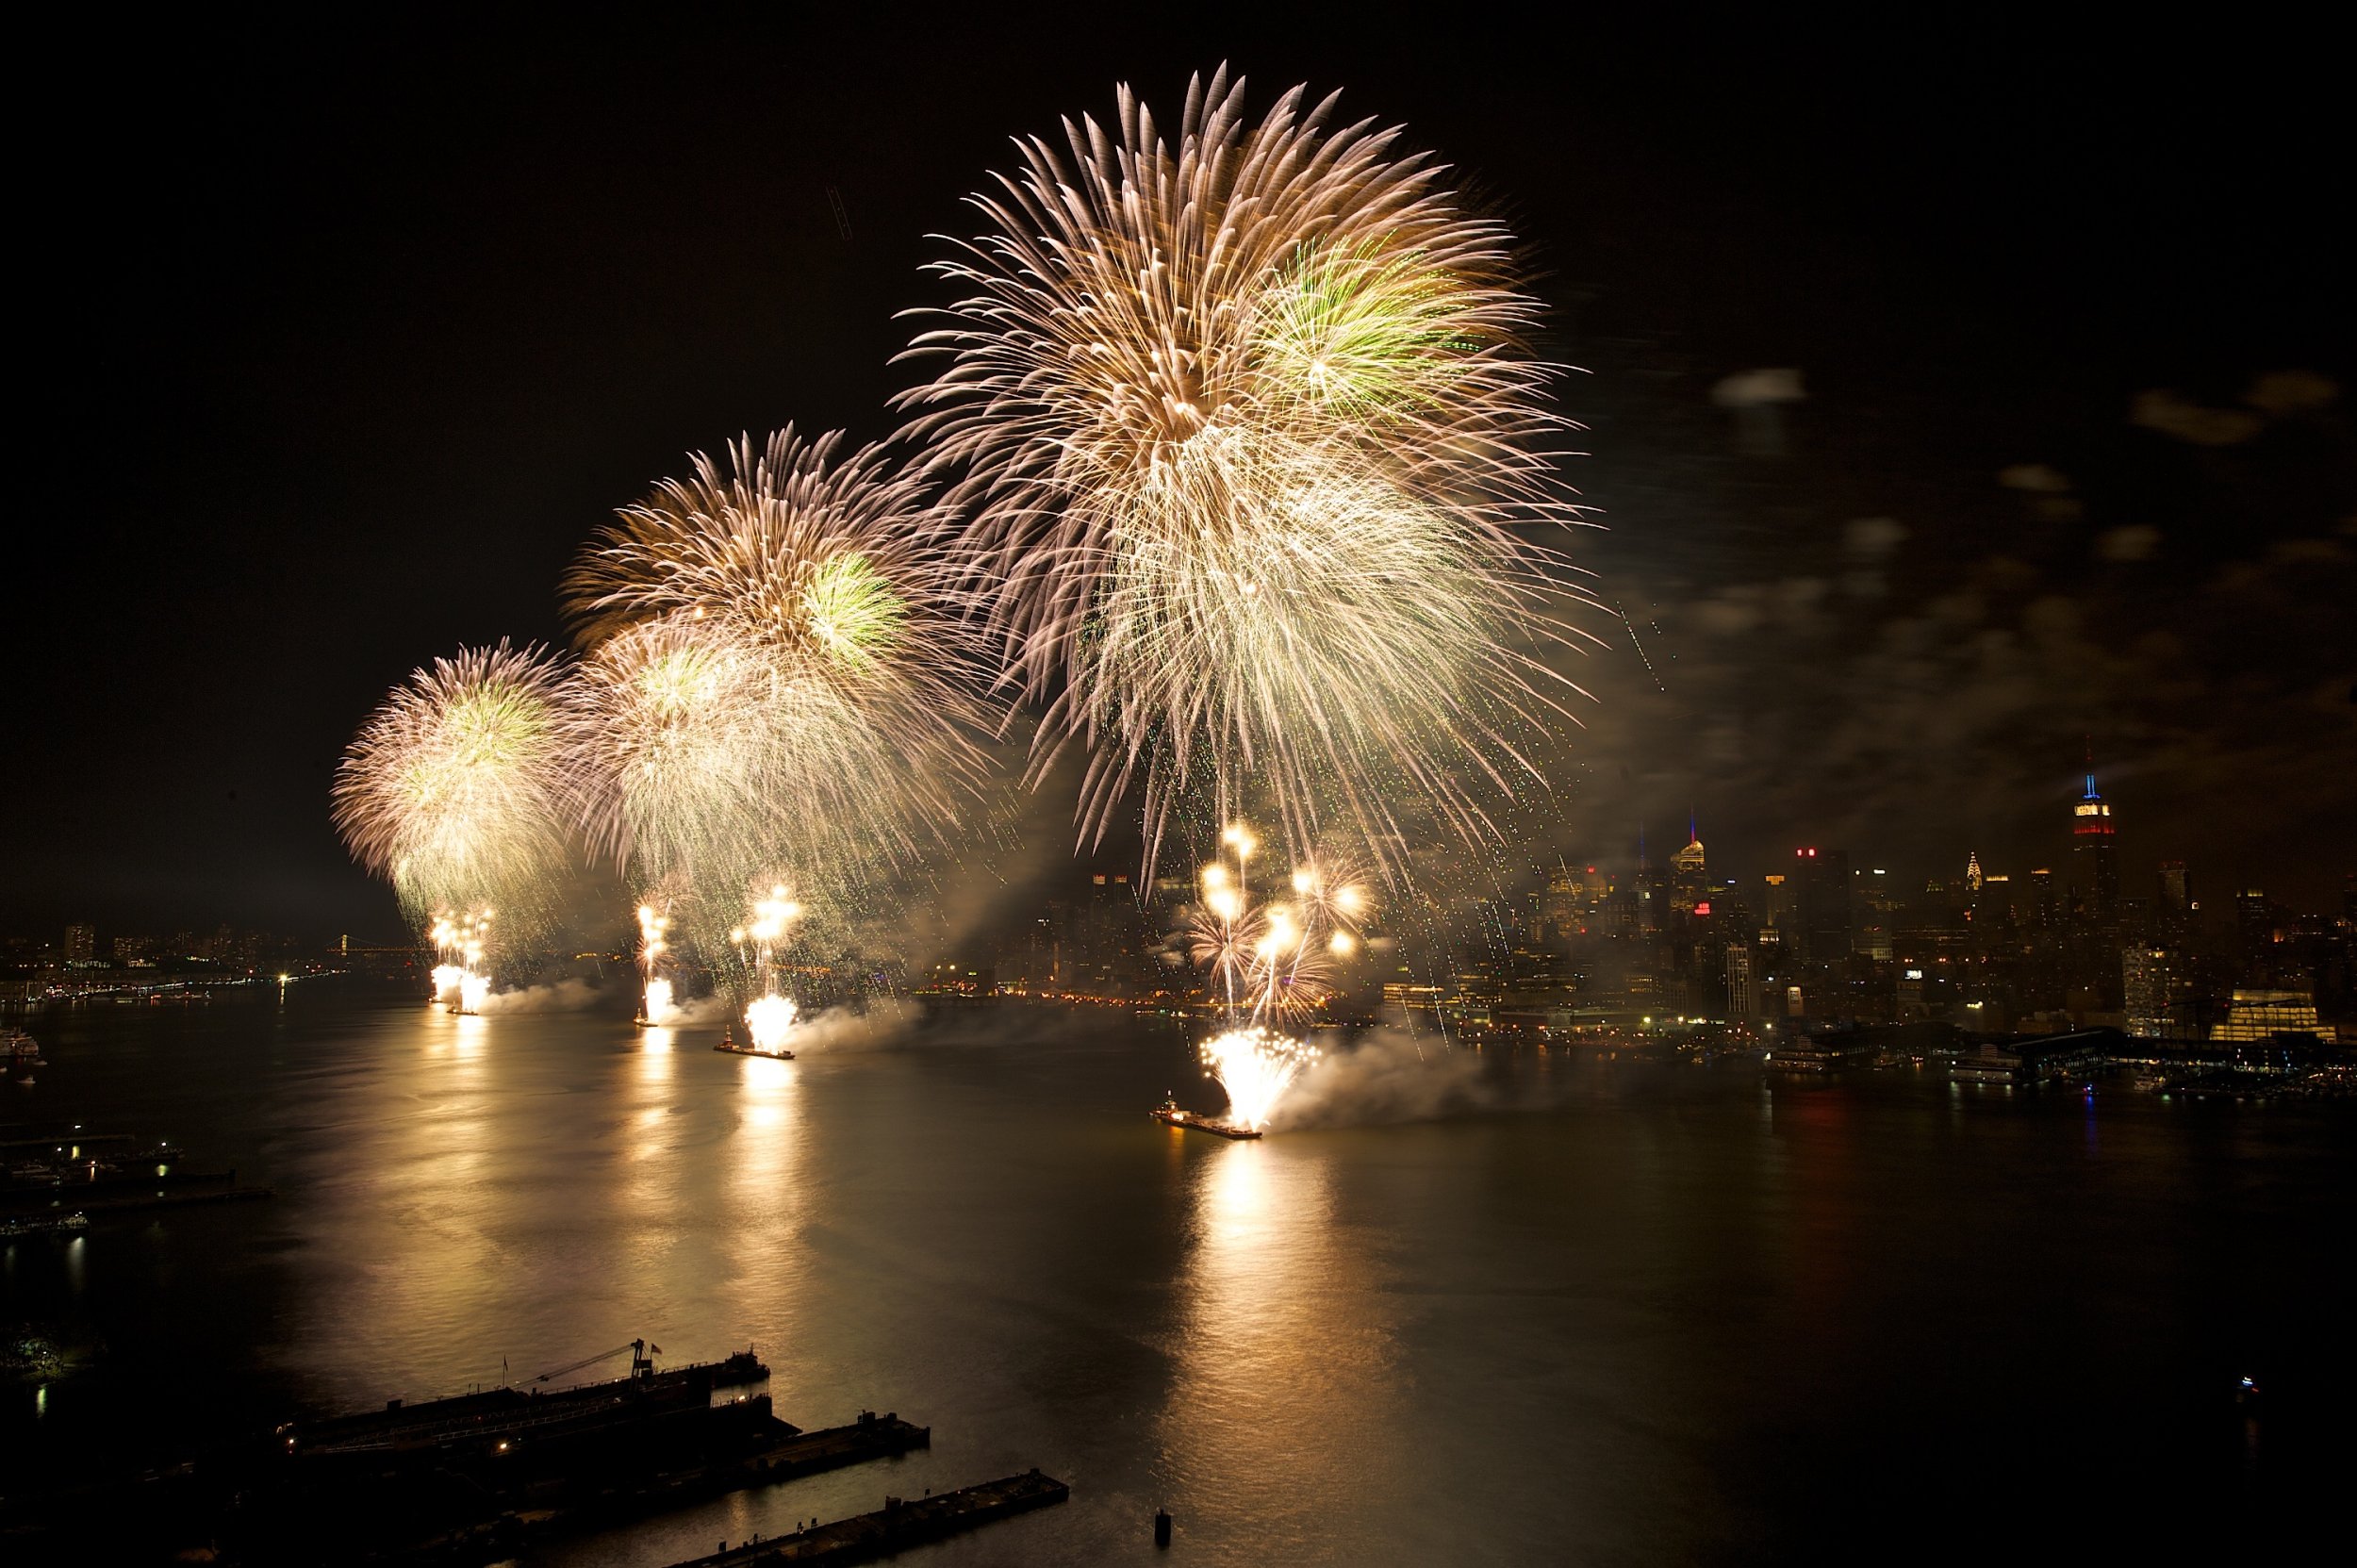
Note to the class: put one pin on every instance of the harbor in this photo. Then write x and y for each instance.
(474, 1478)
(47, 1181)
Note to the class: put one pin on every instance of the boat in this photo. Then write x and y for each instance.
(735, 1049)
(1168, 1114)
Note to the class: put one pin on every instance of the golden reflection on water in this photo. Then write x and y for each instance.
(654, 1164)
(760, 1173)
(1283, 1386)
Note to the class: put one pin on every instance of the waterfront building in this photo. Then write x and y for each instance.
(2256, 1014)
(2156, 991)
(2033, 1059)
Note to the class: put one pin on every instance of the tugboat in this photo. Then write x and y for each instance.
(1168, 1114)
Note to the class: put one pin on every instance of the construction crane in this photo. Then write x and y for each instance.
(642, 1357)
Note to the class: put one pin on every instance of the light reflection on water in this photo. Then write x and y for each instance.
(1623, 1323)
(1281, 1393)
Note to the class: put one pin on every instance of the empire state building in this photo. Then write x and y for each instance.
(2094, 857)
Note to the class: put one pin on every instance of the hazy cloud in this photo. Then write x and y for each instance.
(2186, 421)
(2039, 478)
(2133, 543)
(2280, 392)
(1873, 538)
(1758, 388)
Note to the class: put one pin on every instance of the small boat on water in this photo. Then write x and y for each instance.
(1168, 1114)
(20, 1054)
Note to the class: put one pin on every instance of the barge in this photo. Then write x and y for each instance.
(899, 1525)
(735, 1049)
(1169, 1115)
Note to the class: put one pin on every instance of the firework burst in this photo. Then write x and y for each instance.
(778, 676)
(1249, 439)
(458, 791)
(1270, 959)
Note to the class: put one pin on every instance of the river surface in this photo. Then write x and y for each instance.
(1603, 1313)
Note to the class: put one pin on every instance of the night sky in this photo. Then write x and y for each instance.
(343, 339)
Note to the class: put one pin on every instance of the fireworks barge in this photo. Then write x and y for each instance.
(1169, 1115)
(898, 1526)
(735, 1049)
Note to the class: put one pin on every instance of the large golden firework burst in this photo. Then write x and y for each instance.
(1252, 446)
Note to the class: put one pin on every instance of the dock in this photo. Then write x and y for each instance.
(492, 1413)
(569, 1505)
(899, 1525)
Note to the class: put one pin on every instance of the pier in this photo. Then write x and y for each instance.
(898, 1526)
(575, 1505)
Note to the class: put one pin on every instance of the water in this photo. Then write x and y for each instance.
(1629, 1314)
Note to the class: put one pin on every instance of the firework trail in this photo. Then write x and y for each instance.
(654, 948)
(1248, 439)
(1272, 962)
(778, 676)
(1256, 1068)
(769, 1016)
(459, 791)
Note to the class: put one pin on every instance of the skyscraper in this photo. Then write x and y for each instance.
(2094, 857)
(2172, 910)
(1823, 876)
(2156, 989)
(1742, 1002)
(1687, 885)
(81, 944)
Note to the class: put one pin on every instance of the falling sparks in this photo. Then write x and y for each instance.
(778, 675)
(1249, 442)
(458, 790)
(1272, 964)
(1256, 1068)
(769, 1018)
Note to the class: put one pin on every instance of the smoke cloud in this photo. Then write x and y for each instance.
(1391, 1076)
(565, 995)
